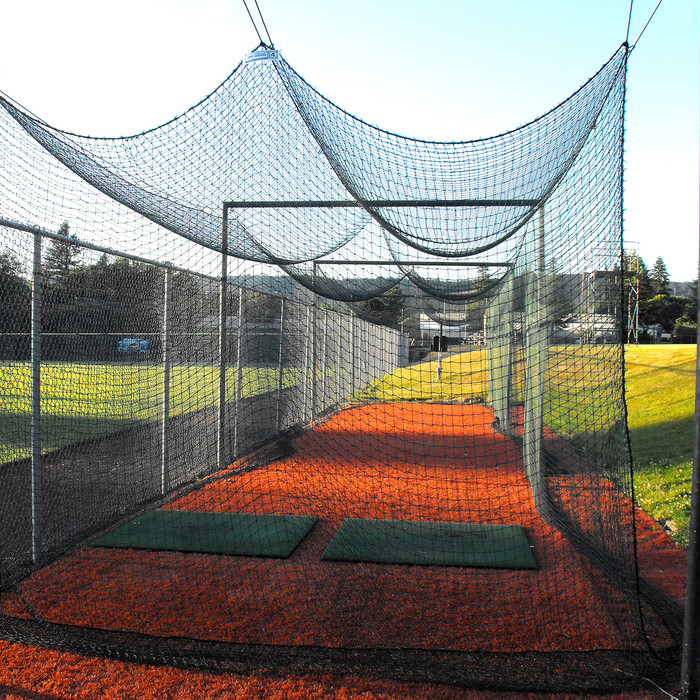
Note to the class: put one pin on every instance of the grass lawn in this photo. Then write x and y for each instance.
(83, 401)
(660, 394)
(661, 404)
(463, 377)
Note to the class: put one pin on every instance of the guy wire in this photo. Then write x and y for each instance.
(647, 24)
(629, 22)
(269, 38)
(245, 4)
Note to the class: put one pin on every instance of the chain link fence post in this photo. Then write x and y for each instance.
(36, 400)
(167, 303)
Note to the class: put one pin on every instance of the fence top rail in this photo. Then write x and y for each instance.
(100, 249)
(417, 263)
(380, 203)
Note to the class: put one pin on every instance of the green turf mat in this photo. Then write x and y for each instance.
(431, 543)
(242, 534)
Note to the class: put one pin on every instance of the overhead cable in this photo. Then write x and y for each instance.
(647, 24)
(245, 4)
(269, 38)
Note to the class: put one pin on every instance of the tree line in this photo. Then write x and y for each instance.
(107, 296)
(650, 291)
(126, 297)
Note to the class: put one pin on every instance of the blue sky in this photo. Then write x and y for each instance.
(433, 69)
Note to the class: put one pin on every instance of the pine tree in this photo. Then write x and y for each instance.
(637, 273)
(387, 309)
(62, 256)
(660, 278)
(690, 317)
(693, 304)
(15, 311)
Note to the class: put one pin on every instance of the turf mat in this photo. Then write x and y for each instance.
(431, 543)
(242, 534)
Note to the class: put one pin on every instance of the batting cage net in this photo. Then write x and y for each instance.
(282, 390)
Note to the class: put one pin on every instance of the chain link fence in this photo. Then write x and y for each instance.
(119, 386)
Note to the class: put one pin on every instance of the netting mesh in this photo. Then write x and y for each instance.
(283, 390)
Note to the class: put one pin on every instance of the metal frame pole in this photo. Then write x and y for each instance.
(238, 394)
(535, 357)
(223, 317)
(281, 370)
(323, 358)
(510, 353)
(305, 373)
(389, 355)
(36, 401)
(314, 393)
(352, 355)
(165, 455)
(690, 657)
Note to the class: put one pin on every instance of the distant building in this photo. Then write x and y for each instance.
(588, 328)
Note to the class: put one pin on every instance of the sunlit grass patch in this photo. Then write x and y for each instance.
(463, 376)
(81, 401)
(663, 491)
(661, 403)
(583, 398)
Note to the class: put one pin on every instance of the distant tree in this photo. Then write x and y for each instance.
(119, 297)
(690, 316)
(660, 278)
(692, 309)
(637, 280)
(665, 310)
(62, 256)
(261, 307)
(560, 300)
(637, 273)
(16, 292)
(105, 297)
(681, 289)
(190, 301)
(387, 309)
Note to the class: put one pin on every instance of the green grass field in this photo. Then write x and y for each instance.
(87, 401)
(463, 377)
(661, 404)
(660, 395)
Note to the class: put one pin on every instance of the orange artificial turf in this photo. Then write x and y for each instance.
(31, 673)
(410, 461)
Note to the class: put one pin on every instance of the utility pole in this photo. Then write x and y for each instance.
(633, 304)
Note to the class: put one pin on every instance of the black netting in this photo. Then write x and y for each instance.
(281, 390)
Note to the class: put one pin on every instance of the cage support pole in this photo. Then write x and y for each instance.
(535, 346)
(323, 358)
(223, 315)
(305, 374)
(167, 302)
(352, 355)
(314, 313)
(690, 656)
(510, 353)
(388, 354)
(281, 370)
(239, 370)
(498, 331)
(384, 345)
(36, 401)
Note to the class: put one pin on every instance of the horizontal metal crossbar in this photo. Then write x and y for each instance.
(382, 203)
(417, 263)
(99, 248)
